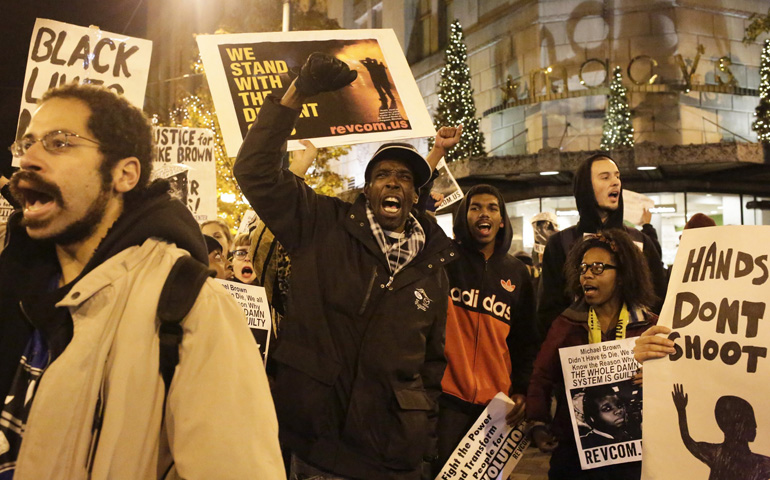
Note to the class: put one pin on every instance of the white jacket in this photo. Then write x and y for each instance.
(219, 415)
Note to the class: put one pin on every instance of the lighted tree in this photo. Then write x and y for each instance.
(455, 98)
(762, 113)
(618, 131)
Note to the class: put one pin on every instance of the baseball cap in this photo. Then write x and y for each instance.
(405, 153)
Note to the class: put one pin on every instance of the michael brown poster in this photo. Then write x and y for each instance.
(706, 407)
(383, 103)
(605, 405)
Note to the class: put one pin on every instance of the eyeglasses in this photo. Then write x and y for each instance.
(240, 254)
(597, 268)
(53, 142)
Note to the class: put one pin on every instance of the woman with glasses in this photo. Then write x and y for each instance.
(610, 281)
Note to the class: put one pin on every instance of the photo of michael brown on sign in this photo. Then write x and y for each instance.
(605, 405)
(382, 103)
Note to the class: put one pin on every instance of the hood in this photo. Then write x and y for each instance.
(583, 189)
(460, 228)
(155, 214)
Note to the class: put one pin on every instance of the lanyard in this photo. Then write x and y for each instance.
(595, 330)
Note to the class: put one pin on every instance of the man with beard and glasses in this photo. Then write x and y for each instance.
(361, 352)
(81, 276)
(599, 199)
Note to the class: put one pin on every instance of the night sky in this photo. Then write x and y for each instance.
(18, 21)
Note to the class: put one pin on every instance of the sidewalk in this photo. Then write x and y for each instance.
(532, 466)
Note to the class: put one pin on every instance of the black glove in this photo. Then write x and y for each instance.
(323, 73)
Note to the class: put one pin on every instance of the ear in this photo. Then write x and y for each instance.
(366, 190)
(125, 174)
(502, 224)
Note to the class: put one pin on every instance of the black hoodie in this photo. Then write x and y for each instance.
(552, 296)
(491, 338)
(28, 267)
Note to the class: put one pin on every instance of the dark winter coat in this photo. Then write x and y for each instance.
(552, 296)
(491, 335)
(359, 363)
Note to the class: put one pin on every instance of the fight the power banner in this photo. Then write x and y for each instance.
(61, 53)
(383, 103)
(706, 405)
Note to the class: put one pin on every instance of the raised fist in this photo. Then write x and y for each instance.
(323, 73)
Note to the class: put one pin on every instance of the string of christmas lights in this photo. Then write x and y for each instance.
(455, 98)
(762, 113)
(618, 130)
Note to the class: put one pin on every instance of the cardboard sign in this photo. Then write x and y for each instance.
(185, 156)
(604, 404)
(708, 401)
(253, 300)
(490, 449)
(61, 53)
(383, 103)
(446, 185)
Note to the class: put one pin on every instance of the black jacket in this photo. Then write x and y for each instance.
(552, 295)
(359, 363)
(491, 335)
(28, 266)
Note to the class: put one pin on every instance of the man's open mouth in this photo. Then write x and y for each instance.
(391, 204)
(484, 227)
(34, 193)
(614, 195)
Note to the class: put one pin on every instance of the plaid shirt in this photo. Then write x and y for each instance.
(404, 249)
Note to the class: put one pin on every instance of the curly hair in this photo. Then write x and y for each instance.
(633, 274)
(121, 129)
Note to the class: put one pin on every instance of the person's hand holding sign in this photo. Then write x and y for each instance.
(649, 345)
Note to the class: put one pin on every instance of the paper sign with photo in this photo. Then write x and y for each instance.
(446, 185)
(605, 405)
(709, 398)
(383, 103)
(634, 205)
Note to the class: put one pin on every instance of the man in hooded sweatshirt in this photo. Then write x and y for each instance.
(81, 277)
(491, 338)
(599, 197)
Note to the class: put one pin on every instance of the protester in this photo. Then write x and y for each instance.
(599, 198)
(218, 229)
(608, 275)
(361, 352)
(699, 220)
(606, 415)
(491, 337)
(217, 260)
(243, 269)
(81, 279)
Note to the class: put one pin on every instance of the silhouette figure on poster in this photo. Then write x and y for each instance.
(732, 458)
(379, 76)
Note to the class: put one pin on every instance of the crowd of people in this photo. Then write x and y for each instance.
(392, 338)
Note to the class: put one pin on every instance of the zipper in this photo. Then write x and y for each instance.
(96, 430)
(369, 291)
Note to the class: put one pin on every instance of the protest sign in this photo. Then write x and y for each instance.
(383, 103)
(604, 404)
(634, 205)
(185, 156)
(5, 210)
(707, 402)
(61, 53)
(248, 221)
(446, 185)
(490, 449)
(253, 300)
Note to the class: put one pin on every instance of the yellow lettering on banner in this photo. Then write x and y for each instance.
(309, 110)
(254, 98)
(250, 114)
